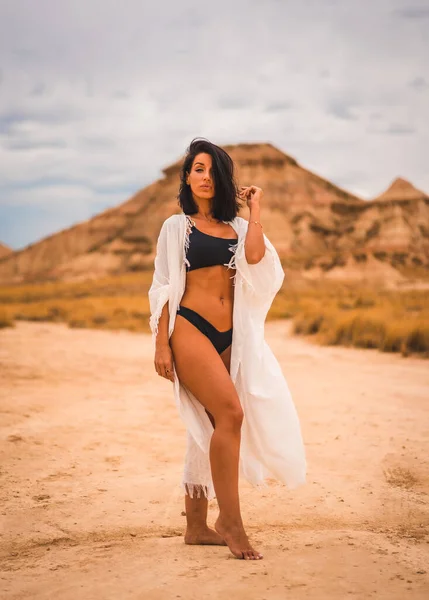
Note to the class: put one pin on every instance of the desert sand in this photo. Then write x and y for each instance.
(91, 458)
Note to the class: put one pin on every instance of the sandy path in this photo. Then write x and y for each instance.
(91, 454)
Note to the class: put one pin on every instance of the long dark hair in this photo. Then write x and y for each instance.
(225, 203)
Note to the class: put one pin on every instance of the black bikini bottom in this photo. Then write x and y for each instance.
(220, 339)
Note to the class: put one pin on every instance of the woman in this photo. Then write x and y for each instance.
(209, 341)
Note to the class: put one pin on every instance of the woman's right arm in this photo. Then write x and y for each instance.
(163, 354)
(158, 300)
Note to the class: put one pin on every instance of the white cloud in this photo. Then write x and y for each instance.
(97, 96)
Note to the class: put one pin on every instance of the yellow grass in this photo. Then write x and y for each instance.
(392, 321)
(119, 302)
(5, 320)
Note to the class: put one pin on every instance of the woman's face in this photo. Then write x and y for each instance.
(200, 177)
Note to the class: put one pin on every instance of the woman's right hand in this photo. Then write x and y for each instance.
(164, 361)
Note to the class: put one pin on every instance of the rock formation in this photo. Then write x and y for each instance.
(316, 226)
(4, 250)
(401, 189)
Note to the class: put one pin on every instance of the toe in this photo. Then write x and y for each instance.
(256, 555)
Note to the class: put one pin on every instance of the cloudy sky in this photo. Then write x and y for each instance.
(97, 96)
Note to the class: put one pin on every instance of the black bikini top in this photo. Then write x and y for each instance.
(207, 250)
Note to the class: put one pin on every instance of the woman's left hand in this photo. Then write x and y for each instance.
(252, 194)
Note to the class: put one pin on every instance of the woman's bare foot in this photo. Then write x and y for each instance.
(203, 536)
(237, 541)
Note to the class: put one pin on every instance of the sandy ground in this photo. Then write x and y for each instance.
(91, 454)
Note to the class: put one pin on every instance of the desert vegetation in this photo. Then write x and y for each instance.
(5, 320)
(335, 314)
(119, 302)
(392, 321)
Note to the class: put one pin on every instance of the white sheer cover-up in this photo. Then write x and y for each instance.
(271, 440)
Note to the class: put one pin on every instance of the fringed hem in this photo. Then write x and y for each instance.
(232, 264)
(155, 316)
(188, 229)
(198, 490)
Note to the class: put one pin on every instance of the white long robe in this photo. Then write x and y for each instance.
(271, 441)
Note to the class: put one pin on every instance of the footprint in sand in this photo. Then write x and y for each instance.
(113, 460)
(398, 473)
(15, 438)
(400, 477)
(41, 497)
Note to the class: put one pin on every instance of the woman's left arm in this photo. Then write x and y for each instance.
(254, 244)
(256, 258)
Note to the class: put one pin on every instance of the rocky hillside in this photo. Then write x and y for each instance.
(4, 250)
(316, 227)
(401, 189)
(388, 233)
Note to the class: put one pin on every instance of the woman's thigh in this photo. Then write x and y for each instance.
(226, 358)
(202, 370)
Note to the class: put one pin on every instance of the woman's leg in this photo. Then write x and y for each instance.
(196, 471)
(200, 368)
(197, 530)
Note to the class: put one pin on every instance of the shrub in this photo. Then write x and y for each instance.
(417, 339)
(99, 319)
(5, 320)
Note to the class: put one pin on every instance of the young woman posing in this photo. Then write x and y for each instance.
(212, 348)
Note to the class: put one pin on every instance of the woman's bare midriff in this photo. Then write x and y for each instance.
(210, 292)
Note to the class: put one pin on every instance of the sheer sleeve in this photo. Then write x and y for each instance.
(160, 288)
(264, 278)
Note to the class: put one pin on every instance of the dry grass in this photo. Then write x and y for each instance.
(392, 321)
(5, 320)
(112, 303)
